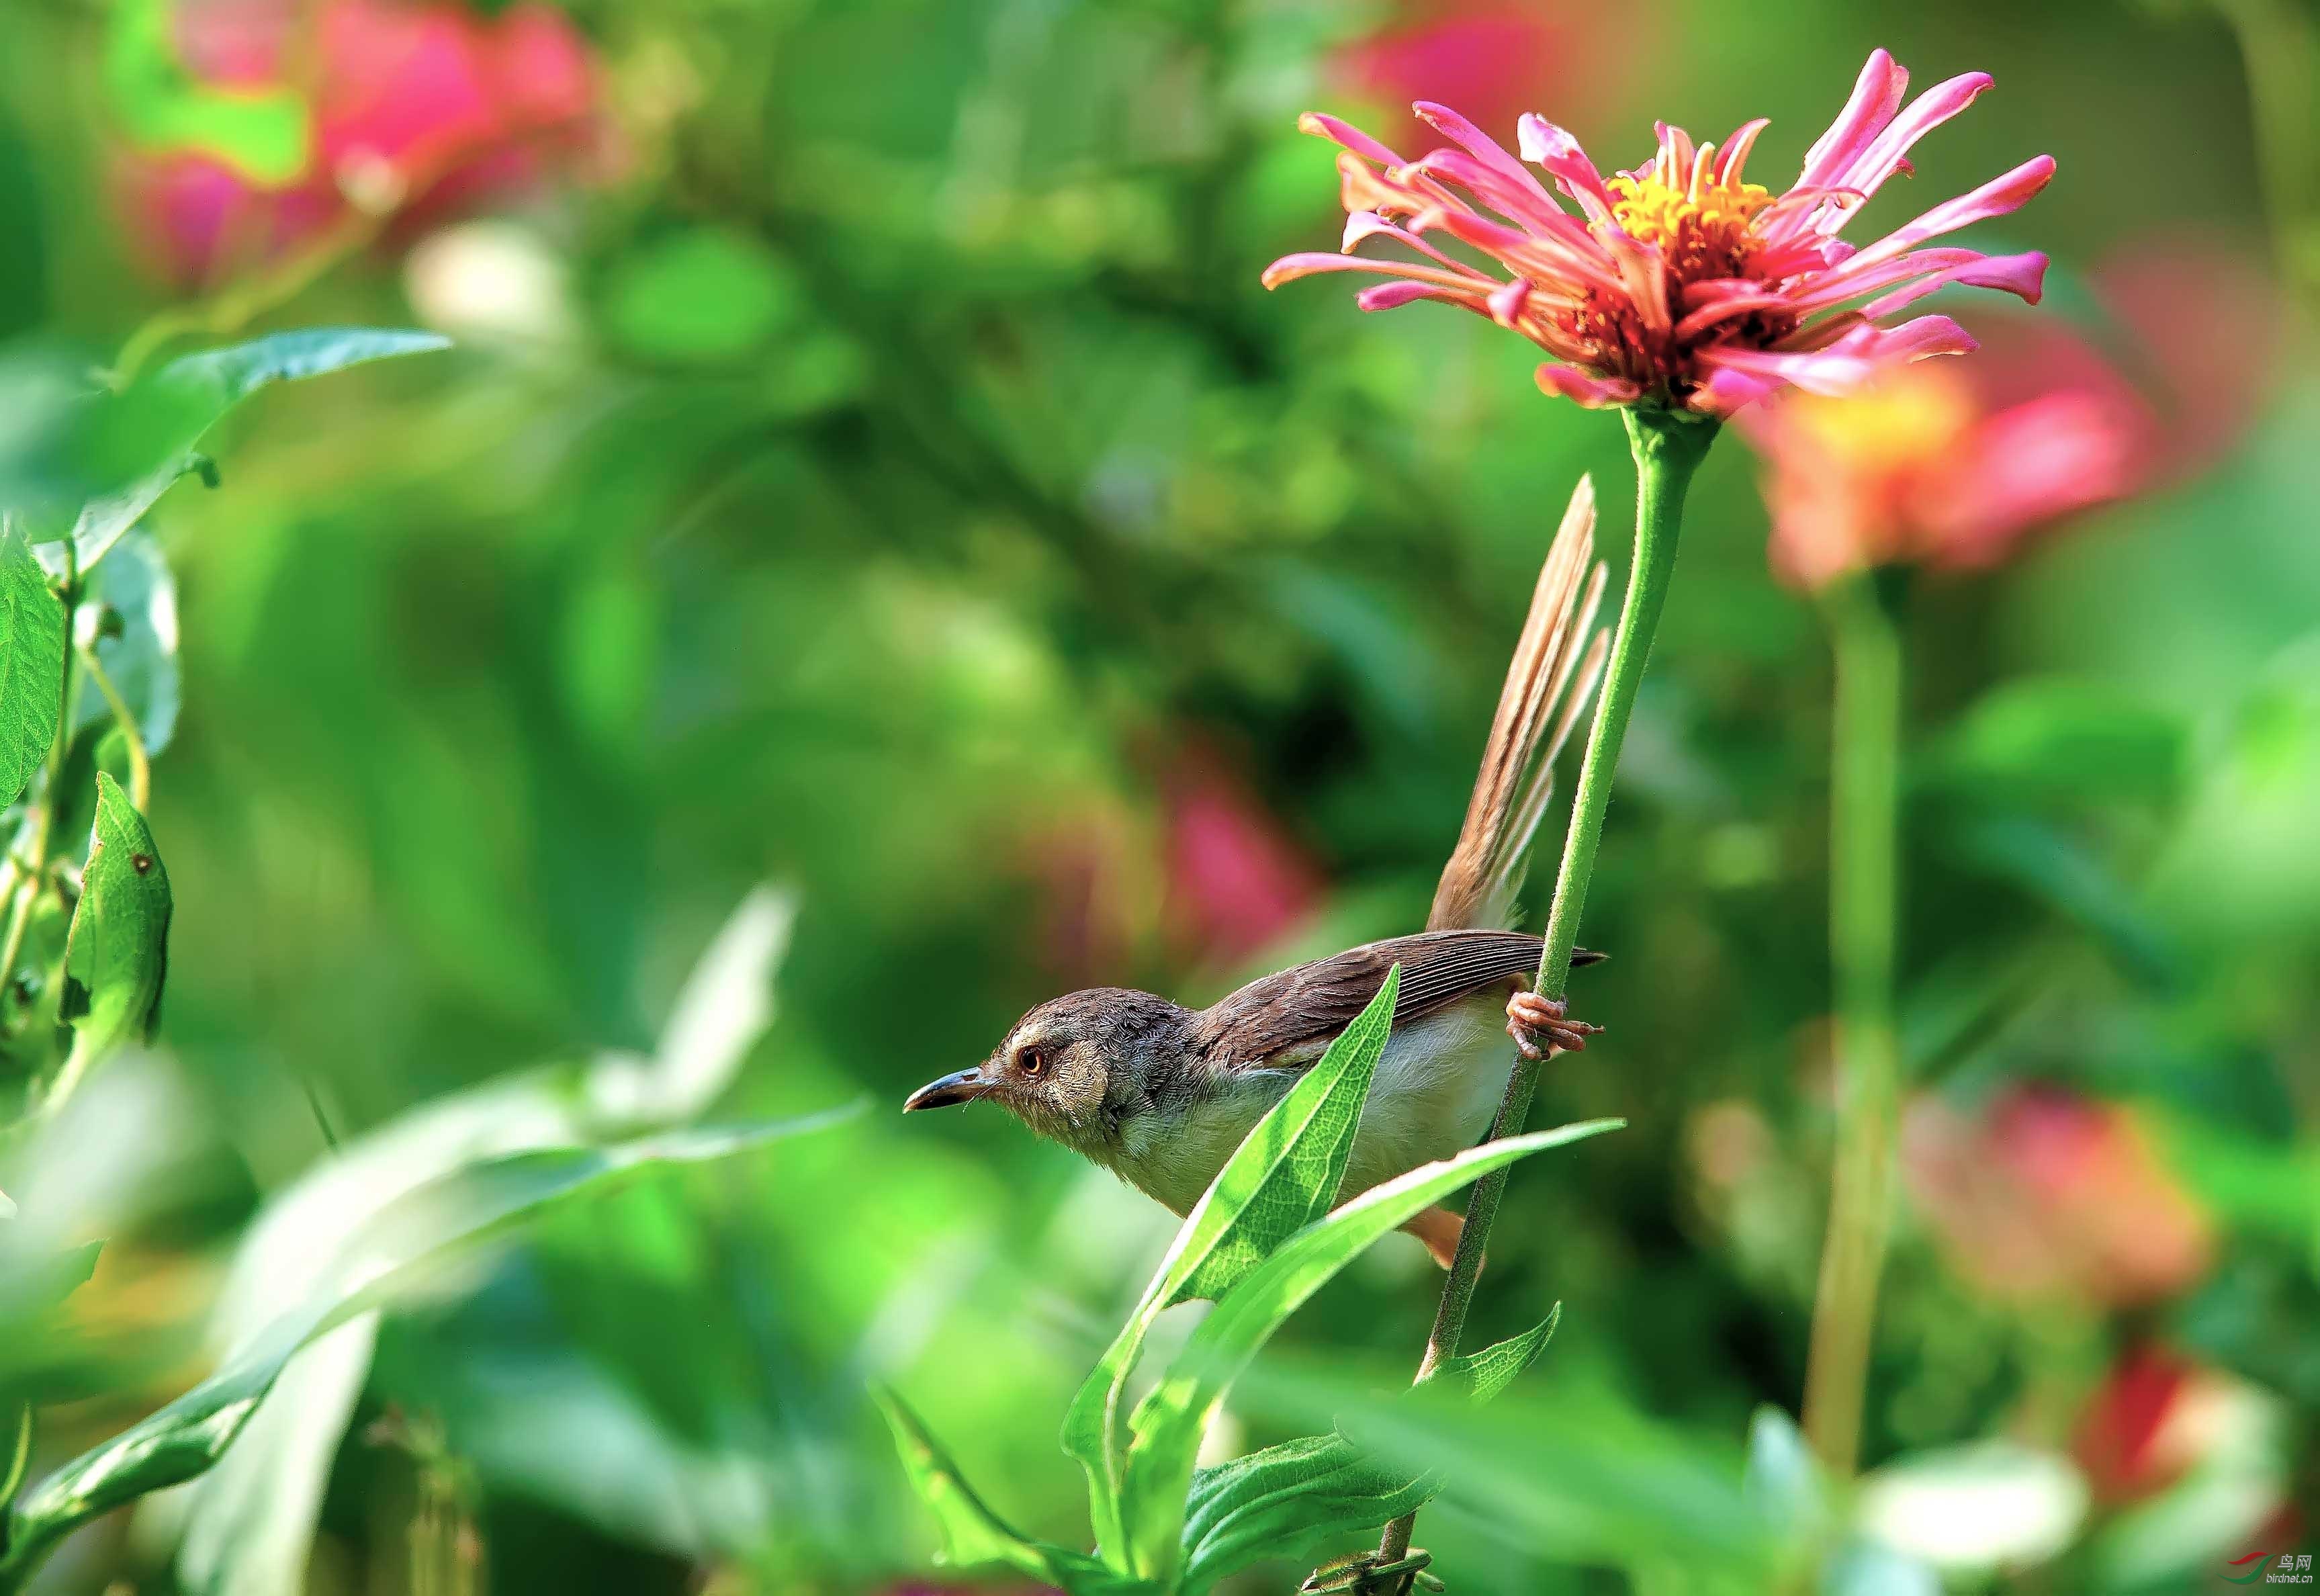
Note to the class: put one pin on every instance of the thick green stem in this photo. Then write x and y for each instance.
(1863, 795)
(1668, 447)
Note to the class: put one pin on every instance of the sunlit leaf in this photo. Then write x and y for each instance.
(1285, 1174)
(1168, 1424)
(117, 953)
(974, 1537)
(405, 1250)
(32, 663)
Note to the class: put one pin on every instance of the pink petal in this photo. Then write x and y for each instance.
(1478, 144)
(2036, 462)
(1596, 393)
(2023, 275)
(1347, 135)
(1548, 146)
(1387, 296)
(1912, 340)
(1997, 198)
(1876, 96)
(1368, 225)
(1735, 157)
(1832, 372)
(1886, 152)
(1507, 302)
(1289, 268)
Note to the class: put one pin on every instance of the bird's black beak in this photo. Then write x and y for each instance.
(964, 1086)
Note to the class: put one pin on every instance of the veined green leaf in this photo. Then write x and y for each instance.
(117, 953)
(1286, 1500)
(32, 663)
(402, 1251)
(1166, 1428)
(974, 1537)
(1285, 1174)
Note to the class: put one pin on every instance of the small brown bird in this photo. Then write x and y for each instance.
(1162, 1095)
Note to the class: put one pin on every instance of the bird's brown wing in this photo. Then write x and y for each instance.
(1285, 1019)
(1556, 663)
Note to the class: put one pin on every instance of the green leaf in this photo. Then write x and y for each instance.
(139, 645)
(142, 441)
(1168, 1424)
(1482, 1376)
(1287, 1501)
(404, 1249)
(974, 1537)
(1284, 1501)
(117, 952)
(32, 663)
(1285, 1174)
(103, 519)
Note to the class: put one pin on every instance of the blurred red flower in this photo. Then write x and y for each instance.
(2046, 1194)
(1235, 879)
(2142, 1429)
(1949, 465)
(430, 105)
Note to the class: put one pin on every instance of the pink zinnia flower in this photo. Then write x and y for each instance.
(2047, 1193)
(1947, 467)
(1679, 284)
(428, 103)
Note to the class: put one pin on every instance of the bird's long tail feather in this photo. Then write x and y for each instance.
(1557, 662)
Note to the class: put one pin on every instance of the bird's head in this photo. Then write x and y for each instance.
(1074, 1067)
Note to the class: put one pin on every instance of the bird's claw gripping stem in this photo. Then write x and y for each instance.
(1364, 1575)
(1530, 1016)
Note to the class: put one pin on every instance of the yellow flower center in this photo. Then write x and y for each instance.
(1701, 230)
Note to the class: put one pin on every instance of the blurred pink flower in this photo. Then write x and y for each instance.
(1679, 283)
(1493, 60)
(428, 104)
(2047, 1193)
(2208, 321)
(1235, 879)
(1946, 466)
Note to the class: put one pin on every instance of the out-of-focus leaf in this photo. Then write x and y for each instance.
(1284, 1500)
(974, 1537)
(139, 652)
(117, 953)
(250, 1523)
(265, 134)
(2059, 740)
(1573, 1475)
(1168, 1424)
(405, 1250)
(1864, 1568)
(1784, 1481)
(1976, 1508)
(702, 296)
(1285, 1174)
(32, 663)
(2059, 871)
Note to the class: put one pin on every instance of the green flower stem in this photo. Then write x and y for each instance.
(1863, 797)
(1668, 447)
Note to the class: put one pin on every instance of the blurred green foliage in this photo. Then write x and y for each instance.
(873, 468)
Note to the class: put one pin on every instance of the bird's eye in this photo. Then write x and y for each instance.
(1032, 1062)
